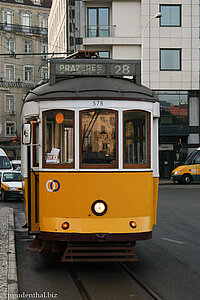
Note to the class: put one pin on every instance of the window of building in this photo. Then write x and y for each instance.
(44, 50)
(104, 54)
(171, 15)
(26, 21)
(170, 59)
(136, 139)
(37, 2)
(173, 107)
(8, 17)
(10, 128)
(29, 73)
(98, 22)
(10, 45)
(10, 103)
(10, 72)
(27, 46)
(43, 21)
(98, 139)
(58, 138)
(44, 73)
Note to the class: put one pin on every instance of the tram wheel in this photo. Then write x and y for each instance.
(186, 179)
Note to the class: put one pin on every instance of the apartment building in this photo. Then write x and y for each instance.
(23, 63)
(168, 48)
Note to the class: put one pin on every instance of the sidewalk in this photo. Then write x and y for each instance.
(165, 181)
(8, 270)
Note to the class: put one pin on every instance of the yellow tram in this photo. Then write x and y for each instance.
(90, 161)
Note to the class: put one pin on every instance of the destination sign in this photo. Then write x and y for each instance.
(80, 69)
(93, 67)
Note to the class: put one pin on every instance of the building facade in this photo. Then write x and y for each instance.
(23, 44)
(168, 48)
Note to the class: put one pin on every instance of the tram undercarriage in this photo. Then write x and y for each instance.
(98, 247)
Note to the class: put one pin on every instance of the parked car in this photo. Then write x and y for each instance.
(4, 161)
(189, 170)
(11, 185)
(16, 164)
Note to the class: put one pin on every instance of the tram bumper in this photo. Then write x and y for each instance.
(95, 247)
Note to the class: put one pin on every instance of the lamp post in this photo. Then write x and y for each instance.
(158, 15)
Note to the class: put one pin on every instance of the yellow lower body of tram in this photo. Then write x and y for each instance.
(130, 196)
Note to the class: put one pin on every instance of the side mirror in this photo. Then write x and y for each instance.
(26, 134)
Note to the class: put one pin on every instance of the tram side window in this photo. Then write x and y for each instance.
(58, 138)
(98, 139)
(35, 128)
(136, 139)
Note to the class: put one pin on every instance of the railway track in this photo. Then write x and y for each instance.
(85, 294)
(140, 282)
(79, 284)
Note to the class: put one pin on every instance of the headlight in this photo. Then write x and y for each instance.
(99, 207)
(175, 173)
(12, 189)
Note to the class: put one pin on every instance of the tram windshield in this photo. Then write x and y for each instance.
(98, 137)
(59, 137)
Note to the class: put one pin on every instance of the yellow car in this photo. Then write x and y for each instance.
(11, 185)
(189, 171)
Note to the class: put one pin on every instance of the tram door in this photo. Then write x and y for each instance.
(166, 163)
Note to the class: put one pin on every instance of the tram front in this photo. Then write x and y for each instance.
(90, 168)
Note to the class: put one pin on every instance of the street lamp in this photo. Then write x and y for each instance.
(158, 15)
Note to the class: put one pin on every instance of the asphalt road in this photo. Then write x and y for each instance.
(169, 263)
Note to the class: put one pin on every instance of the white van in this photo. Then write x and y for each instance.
(16, 165)
(4, 161)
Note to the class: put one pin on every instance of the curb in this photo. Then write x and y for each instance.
(165, 182)
(8, 268)
(12, 267)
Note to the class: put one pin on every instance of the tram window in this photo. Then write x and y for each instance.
(136, 139)
(98, 139)
(35, 129)
(58, 138)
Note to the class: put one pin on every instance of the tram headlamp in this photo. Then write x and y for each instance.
(133, 224)
(99, 207)
(65, 225)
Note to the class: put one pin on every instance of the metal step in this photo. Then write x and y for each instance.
(98, 252)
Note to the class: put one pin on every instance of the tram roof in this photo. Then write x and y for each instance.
(92, 87)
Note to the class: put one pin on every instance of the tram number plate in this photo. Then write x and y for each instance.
(97, 103)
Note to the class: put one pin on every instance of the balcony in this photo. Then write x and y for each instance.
(16, 28)
(102, 31)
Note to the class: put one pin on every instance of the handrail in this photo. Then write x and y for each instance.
(23, 28)
(100, 31)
